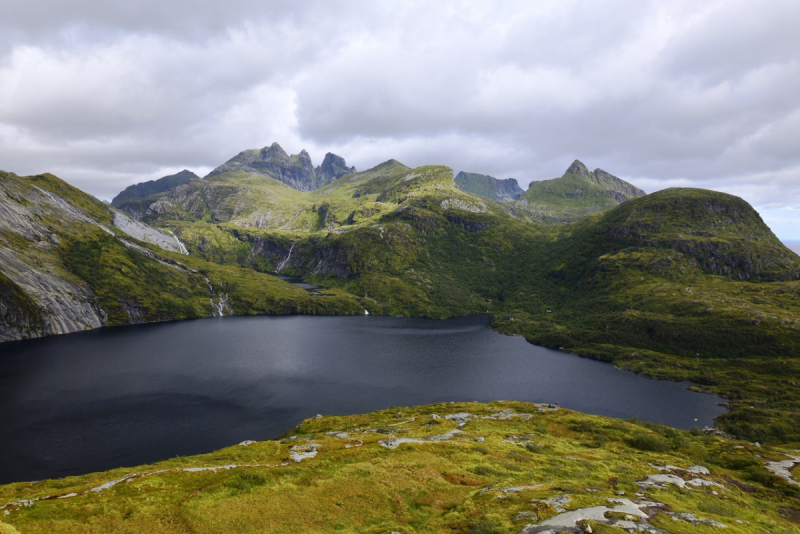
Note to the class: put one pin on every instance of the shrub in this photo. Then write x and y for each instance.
(648, 442)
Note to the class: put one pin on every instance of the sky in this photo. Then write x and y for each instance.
(105, 93)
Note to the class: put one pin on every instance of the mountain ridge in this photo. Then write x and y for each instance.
(143, 190)
(296, 170)
(669, 275)
(576, 194)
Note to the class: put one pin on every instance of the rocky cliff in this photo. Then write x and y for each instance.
(489, 186)
(333, 167)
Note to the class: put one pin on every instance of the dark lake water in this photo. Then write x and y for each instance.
(124, 396)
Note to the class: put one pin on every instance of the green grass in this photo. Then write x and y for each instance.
(565, 199)
(356, 485)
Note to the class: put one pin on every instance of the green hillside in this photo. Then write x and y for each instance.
(576, 194)
(466, 467)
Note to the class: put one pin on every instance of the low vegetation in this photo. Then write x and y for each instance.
(499, 467)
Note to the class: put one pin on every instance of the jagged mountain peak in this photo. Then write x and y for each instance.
(272, 151)
(296, 171)
(578, 168)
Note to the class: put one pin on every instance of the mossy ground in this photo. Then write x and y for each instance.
(498, 474)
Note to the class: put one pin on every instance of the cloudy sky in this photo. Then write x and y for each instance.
(705, 94)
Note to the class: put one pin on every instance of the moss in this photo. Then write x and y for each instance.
(356, 485)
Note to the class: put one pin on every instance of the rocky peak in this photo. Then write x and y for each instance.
(296, 171)
(152, 187)
(333, 167)
(274, 151)
(579, 168)
(304, 158)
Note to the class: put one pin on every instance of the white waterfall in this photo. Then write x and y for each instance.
(284, 262)
(181, 246)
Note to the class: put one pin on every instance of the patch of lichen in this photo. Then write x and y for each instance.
(498, 471)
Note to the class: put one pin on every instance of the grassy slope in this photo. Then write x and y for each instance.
(496, 475)
(566, 199)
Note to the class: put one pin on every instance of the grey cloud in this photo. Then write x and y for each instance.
(661, 94)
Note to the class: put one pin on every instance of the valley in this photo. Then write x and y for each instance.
(681, 284)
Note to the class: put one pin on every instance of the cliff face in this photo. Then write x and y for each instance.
(333, 167)
(489, 186)
(295, 171)
(39, 216)
(37, 295)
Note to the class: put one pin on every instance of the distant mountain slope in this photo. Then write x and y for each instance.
(153, 187)
(489, 186)
(576, 194)
(296, 171)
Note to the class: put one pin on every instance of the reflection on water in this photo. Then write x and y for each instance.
(294, 280)
(136, 394)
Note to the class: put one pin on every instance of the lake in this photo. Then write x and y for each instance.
(129, 395)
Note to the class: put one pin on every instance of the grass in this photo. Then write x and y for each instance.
(355, 484)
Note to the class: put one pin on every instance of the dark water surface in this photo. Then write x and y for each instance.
(124, 396)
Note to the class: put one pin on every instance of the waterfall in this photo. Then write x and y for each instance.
(181, 246)
(222, 304)
(284, 262)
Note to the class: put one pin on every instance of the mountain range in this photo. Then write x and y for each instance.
(683, 284)
(680, 284)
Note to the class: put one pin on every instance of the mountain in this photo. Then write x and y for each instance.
(576, 194)
(146, 189)
(682, 284)
(649, 283)
(296, 170)
(450, 467)
(489, 186)
(69, 263)
(333, 167)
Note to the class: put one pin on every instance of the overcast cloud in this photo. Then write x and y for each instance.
(703, 94)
